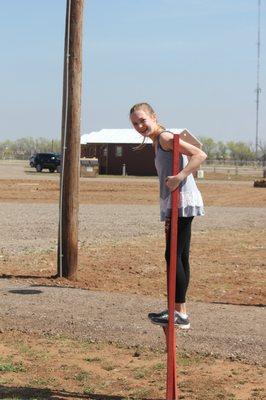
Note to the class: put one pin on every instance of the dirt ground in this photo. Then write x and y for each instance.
(227, 257)
(128, 191)
(43, 367)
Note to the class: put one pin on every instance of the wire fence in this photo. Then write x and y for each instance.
(234, 170)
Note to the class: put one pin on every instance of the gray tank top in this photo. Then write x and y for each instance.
(191, 203)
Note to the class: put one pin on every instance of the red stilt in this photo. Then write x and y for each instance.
(171, 384)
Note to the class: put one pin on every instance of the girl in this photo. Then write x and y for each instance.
(145, 122)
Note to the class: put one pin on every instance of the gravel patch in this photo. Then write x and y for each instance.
(229, 331)
(33, 227)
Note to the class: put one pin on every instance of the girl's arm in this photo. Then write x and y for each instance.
(197, 156)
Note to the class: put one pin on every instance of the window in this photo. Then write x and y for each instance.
(118, 151)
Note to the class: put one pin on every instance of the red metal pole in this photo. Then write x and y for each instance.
(171, 388)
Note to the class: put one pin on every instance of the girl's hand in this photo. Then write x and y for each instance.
(172, 182)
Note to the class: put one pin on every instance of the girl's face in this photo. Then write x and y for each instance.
(143, 122)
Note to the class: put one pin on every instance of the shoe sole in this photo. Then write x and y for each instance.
(153, 316)
(184, 327)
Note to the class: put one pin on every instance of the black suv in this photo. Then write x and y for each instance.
(49, 161)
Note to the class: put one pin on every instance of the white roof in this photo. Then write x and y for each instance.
(118, 136)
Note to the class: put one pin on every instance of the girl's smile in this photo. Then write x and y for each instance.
(144, 123)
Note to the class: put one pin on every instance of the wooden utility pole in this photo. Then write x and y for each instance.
(70, 161)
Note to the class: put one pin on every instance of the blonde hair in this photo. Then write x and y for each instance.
(142, 106)
(149, 110)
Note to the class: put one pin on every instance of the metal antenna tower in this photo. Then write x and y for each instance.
(258, 89)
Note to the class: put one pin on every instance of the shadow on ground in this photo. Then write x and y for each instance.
(67, 284)
(28, 393)
(14, 276)
(226, 303)
(25, 291)
(53, 281)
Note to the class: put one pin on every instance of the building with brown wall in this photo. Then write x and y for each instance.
(114, 148)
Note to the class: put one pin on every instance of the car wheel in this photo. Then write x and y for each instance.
(38, 168)
(51, 169)
(58, 169)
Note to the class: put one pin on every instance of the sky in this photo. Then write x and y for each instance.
(194, 61)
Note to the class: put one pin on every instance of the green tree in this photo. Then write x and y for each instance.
(209, 146)
(22, 148)
(240, 151)
(7, 149)
(221, 151)
(262, 156)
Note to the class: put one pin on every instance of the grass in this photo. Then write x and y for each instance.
(138, 373)
(141, 373)
(21, 398)
(82, 376)
(12, 367)
(92, 359)
(140, 394)
(88, 390)
(108, 366)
